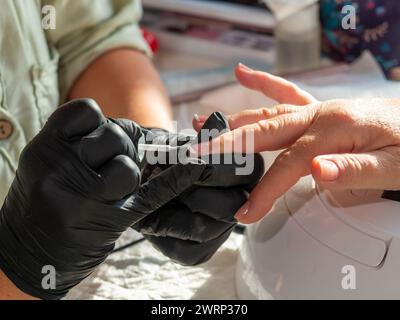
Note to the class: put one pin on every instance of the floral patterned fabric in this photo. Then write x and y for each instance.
(377, 30)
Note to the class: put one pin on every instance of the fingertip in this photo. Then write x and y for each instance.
(196, 125)
(252, 211)
(324, 170)
(76, 118)
(199, 118)
(250, 218)
(243, 211)
(244, 67)
(237, 74)
(198, 121)
(245, 219)
(242, 71)
(315, 168)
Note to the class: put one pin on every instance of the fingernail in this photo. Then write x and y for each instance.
(244, 67)
(243, 211)
(329, 170)
(198, 118)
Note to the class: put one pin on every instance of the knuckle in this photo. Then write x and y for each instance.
(116, 132)
(352, 168)
(284, 159)
(87, 108)
(390, 162)
(266, 113)
(339, 112)
(284, 108)
(308, 140)
(298, 157)
(307, 144)
(77, 117)
(269, 127)
(128, 166)
(350, 165)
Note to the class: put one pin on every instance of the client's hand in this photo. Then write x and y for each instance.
(344, 143)
(286, 93)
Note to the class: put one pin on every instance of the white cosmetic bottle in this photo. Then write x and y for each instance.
(298, 34)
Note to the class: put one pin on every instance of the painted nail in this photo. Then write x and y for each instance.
(243, 211)
(244, 67)
(200, 118)
(329, 170)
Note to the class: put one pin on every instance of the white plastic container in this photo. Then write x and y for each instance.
(320, 244)
(297, 33)
(298, 40)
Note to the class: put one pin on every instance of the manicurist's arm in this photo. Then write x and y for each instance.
(104, 56)
(125, 84)
(8, 291)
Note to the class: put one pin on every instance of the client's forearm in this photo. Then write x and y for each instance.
(125, 84)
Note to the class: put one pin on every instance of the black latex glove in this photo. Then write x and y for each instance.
(64, 207)
(191, 227)
(75, 192)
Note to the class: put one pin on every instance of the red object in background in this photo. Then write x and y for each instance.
(151, 39)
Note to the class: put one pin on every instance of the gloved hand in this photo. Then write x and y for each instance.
(190, 228)
(67, 205)
(75, 192)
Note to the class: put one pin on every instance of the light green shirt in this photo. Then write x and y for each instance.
(38, 67)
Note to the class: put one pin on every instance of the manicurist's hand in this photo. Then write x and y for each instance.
(82, 181)
(351, 144)
(66, 206)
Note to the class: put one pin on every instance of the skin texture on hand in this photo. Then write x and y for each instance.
(350, 144)
(286, 93)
